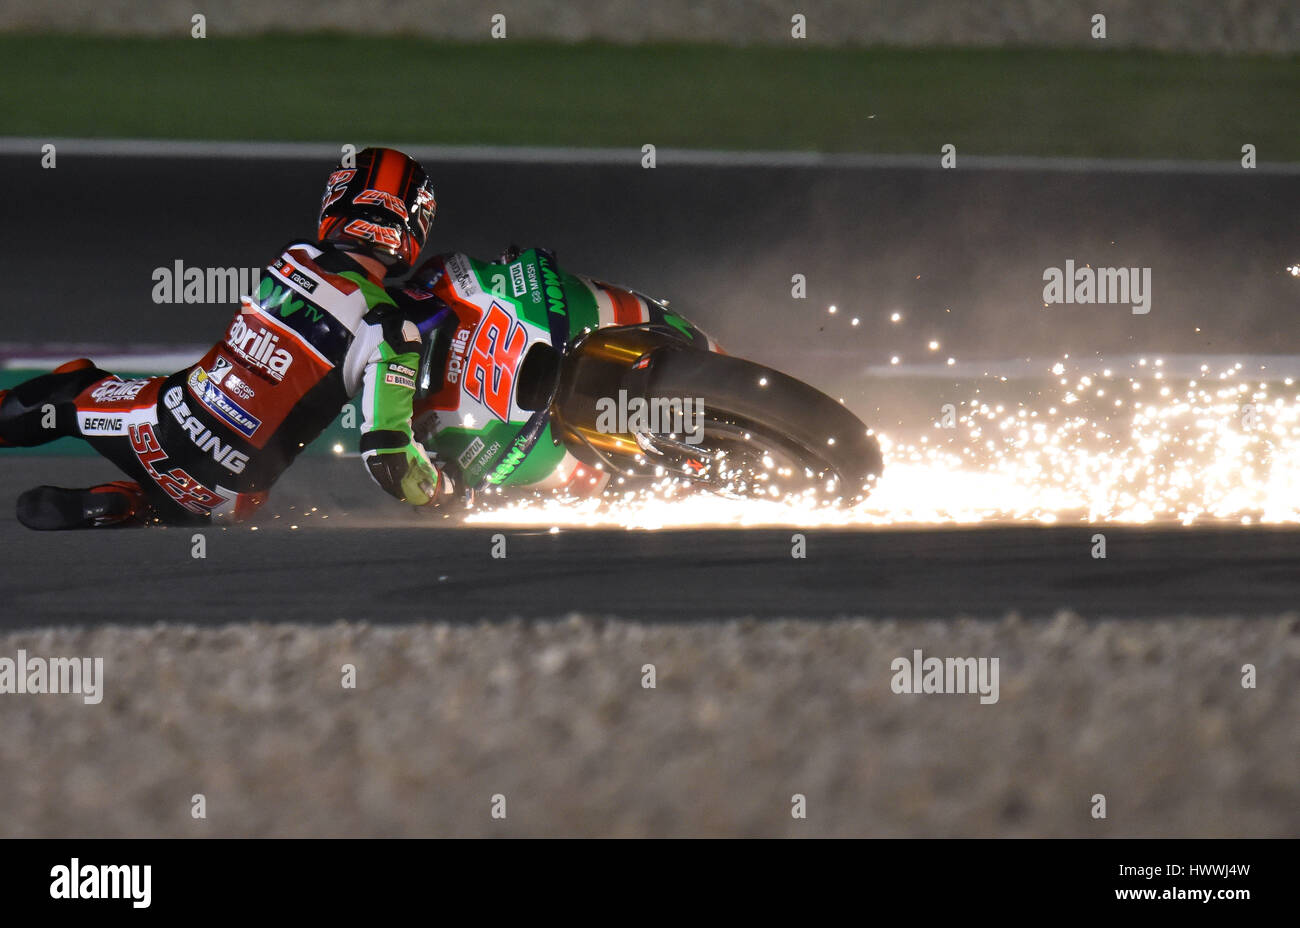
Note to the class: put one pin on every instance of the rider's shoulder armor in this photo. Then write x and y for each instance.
(416, 304)
(402, 332)
(316, 273)
(304, 291)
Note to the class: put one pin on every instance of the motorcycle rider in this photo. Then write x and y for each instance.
(210, 440)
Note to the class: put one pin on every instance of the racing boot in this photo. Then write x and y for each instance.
(49, 509)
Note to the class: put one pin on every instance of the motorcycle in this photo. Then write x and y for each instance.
(537, 379)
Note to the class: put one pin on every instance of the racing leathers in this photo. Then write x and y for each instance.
(210, 440)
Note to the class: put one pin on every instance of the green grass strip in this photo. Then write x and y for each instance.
(340, 89)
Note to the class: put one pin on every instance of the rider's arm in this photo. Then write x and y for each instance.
(393, 458)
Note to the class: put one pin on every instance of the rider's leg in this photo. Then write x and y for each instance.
(42, 409)
(46, 407)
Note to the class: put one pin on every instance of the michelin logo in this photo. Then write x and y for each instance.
(230, 412)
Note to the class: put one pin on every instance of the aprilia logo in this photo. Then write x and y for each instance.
(456, 363)
(115, 391)
(259, 348)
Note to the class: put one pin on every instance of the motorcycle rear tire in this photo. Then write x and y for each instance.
(776, 409)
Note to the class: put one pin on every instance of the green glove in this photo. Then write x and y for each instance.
(422, 484)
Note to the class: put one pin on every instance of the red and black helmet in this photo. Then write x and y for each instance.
(383, 206)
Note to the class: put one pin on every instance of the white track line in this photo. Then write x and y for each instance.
(630, 157)
(1254, 367)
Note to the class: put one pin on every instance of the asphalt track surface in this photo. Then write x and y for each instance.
(373, 561)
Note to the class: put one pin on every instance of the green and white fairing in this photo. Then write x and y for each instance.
(507, 310)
